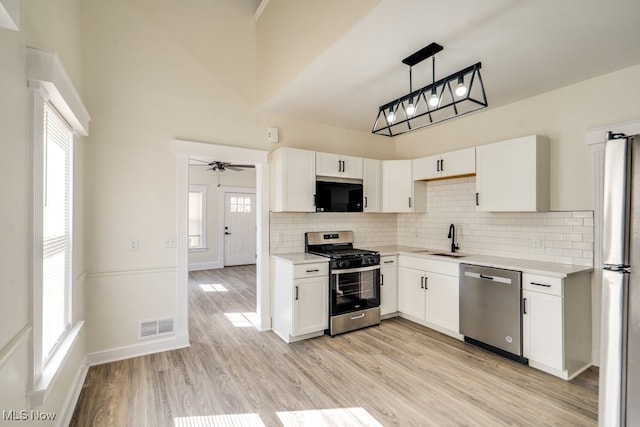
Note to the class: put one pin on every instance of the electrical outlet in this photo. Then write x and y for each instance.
(538, 242)
(169, 242)
(133, 245)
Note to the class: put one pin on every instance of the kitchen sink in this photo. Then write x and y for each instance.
(449, 254)
(436, 253)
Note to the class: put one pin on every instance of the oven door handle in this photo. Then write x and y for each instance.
(356, 270)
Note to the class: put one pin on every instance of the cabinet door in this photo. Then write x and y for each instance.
(411, 292)
(372, 185)
(328, 164)
(293, 180)
(351, 167)
(513, 175)
(426, 168)
(397, 183)
(310, 305)
(388, 285)
(456, 163)
(442, 301)
(543, 329)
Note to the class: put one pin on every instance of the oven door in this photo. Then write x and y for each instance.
(354, 289)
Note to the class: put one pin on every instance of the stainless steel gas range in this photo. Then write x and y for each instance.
(354, 280)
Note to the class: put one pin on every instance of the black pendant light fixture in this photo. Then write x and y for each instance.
(458, 94)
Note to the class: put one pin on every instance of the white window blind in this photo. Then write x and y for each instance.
(56, 230)
(197, 216)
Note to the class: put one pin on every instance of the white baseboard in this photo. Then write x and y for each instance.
(197, 266)
(71, 400)
(142, 348)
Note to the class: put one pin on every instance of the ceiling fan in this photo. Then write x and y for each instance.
(222, 166)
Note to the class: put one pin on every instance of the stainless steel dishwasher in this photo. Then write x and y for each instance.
(491, 309)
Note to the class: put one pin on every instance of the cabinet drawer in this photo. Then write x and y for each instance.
(389, 261)
(310, 270)
(544, 284)
(428, 264)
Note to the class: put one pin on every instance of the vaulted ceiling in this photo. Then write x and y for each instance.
(526, 48)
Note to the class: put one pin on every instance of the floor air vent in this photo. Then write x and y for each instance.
(152, 328)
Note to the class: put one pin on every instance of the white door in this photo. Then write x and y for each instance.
(239, 228)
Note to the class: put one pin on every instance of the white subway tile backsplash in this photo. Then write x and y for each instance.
(566, 237)
(563, 237)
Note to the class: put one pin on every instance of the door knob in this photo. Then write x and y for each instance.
(226, 232)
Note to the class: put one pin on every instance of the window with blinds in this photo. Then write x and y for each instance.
(197, 216)
(56, 229)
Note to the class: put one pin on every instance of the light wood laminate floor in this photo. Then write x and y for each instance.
(397, 374)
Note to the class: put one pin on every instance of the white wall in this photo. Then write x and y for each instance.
(565, 115)
(52, 25)
(246, 178)
(169, 71)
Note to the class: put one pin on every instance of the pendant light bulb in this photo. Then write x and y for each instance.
(411, 109)
(391, 117)
(461, 89)
(433, 99)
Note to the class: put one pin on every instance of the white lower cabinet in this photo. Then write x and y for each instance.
(556, 323)
(388, 286)
(428, 293)
(301, 299)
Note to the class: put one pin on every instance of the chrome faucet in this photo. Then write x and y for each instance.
(452, 236)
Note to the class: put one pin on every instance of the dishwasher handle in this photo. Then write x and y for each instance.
(498, 279)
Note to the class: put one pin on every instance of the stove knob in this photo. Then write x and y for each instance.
(343, 264)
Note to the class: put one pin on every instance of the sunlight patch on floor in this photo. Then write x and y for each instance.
(344, 417)
(213, 287)
(242, 320)
(233, 420)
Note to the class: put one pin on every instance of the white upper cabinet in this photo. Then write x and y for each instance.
(454, 163)
(400, 193)
(293, 180)
(338, 166)
(372, 185)
(513, 176)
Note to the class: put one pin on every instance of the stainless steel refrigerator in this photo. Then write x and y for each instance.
(619, 391)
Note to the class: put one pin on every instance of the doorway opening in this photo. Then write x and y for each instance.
(184, 152)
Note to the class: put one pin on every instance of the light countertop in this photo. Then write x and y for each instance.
(301, 258)
(526, 266)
